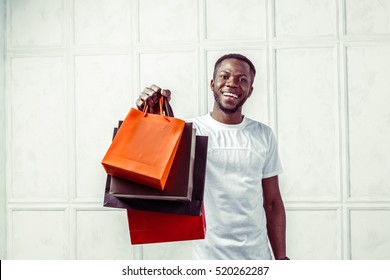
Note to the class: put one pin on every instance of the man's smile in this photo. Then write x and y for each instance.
(230, 94)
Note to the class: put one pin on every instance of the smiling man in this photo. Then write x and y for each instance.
(232, 86)
(244, 208)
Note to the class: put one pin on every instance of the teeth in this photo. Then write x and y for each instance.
(230, 94)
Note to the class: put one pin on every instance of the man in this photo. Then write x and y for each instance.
(242, 199)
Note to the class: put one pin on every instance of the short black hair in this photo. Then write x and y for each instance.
(235, 56)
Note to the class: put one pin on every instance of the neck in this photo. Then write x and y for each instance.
(227, 118)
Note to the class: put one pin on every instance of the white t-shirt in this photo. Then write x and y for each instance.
(239, 157)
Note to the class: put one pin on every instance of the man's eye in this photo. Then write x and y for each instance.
(244, 80)
(224, 77)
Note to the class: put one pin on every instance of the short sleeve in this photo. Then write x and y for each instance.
(272, 164)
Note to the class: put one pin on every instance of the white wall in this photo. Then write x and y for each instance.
(3, 224)
(74, 67)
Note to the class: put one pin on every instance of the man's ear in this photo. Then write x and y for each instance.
(250, 91)
(212, 84)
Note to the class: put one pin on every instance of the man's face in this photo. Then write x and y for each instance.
(232, 85)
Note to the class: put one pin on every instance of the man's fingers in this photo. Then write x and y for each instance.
(166, 93)
(150, 96)
(140, 104)
(154, 93)
(155, 88)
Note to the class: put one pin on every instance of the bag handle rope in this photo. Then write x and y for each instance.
(165, 107)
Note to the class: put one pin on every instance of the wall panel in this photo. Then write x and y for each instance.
(369, 121)
(101, 22)
(3, 108)
(167, 21)
(308, 226)
(168, 251)
(236, 19)
(367, 17)
(102, 234)
(102, 98)
(36, 24)
(308, 132)
(174, 70)
(370, 231)
(38, 234)
(38, 118)
(302, 18)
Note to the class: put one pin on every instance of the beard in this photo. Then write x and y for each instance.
(217, 97)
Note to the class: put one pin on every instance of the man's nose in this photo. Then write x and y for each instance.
(231, 82)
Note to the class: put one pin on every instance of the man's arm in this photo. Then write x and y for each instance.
(276, 216)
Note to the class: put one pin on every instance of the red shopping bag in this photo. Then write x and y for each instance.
(156, 227)
(144, 148)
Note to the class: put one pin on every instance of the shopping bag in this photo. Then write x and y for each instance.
(192, 207)
(144, 147)
(154, 227)
(179, 184)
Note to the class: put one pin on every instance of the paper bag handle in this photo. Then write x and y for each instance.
(165, 107)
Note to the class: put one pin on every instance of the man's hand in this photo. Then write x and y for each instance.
(150, 96)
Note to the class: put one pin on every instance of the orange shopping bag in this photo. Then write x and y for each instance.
(144, 147)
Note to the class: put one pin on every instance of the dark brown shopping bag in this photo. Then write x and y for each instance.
(144, 148)
(192, 207)
(179, 184)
